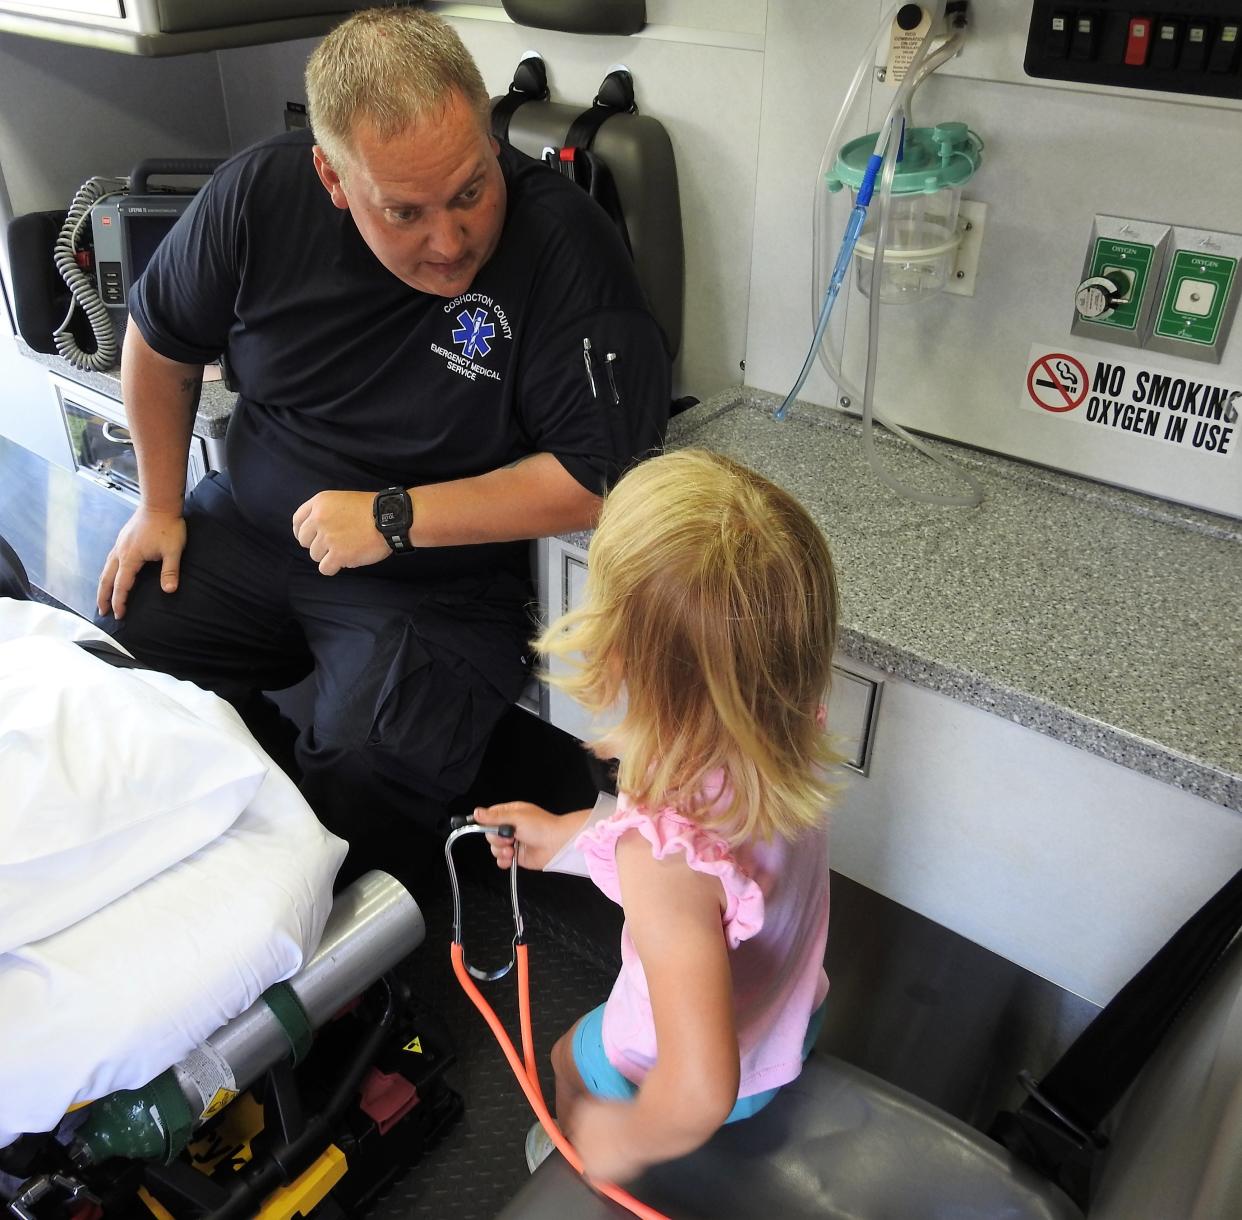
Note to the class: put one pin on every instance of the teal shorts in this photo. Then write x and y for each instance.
(603, 1080)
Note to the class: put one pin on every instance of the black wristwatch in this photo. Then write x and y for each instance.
(394, 514)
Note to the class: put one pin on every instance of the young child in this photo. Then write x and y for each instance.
(710, 614)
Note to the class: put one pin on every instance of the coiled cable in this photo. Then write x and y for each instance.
(82, 289)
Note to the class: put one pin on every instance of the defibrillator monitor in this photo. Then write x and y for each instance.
(127, 229)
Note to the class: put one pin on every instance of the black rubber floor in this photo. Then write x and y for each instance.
(479, 1165)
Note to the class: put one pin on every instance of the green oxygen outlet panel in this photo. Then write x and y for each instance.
(1117, 295)
(1196, 295)
(1131, 260)
(1161, 287)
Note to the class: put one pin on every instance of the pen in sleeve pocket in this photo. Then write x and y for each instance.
(590, 372)
(612, 381)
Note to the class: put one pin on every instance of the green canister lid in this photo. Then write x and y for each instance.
(933, 158)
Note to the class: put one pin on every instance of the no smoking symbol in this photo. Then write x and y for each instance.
(1057, 382)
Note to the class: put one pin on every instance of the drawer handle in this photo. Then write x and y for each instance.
(115, 433)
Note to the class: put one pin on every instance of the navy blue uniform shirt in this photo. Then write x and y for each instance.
(349, 379)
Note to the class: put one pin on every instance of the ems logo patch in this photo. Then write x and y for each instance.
(473, 332)
(481, 325)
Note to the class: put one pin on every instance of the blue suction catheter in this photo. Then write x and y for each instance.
(853, 227)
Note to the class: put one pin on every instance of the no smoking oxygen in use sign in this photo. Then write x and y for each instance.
(1194, 413)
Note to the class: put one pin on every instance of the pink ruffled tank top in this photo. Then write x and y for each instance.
(775, 923)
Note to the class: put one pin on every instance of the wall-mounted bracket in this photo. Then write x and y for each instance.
(970, 218)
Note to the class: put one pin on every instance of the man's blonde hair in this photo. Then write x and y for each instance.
(711, 607)
(391, 67)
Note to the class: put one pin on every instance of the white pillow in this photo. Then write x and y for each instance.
(112, 1001)
(105, 780)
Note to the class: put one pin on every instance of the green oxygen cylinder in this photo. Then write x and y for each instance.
(150, 1123)
(373, 925)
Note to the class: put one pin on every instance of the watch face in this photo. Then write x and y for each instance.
(390, 512)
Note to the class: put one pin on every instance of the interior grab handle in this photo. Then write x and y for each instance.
(144, 170)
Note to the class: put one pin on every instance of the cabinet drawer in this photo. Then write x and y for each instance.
(852, 711)
(573, 581)
(102, 448)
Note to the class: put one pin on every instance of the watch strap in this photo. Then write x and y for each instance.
(396, 534)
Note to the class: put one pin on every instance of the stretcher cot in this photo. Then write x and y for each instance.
(168, 950)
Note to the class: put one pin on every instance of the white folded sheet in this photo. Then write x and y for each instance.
(111, 1000)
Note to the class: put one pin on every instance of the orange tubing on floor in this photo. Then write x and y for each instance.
(527, 1072)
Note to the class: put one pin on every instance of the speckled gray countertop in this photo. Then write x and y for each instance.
(1106, 619)
(215, 404)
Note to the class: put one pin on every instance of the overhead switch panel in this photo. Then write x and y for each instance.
(1118, 43)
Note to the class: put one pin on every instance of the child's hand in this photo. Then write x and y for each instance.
(537, 834)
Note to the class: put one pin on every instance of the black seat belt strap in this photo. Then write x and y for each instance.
(1056, 1129)
(1089, 1079)
(615, 96)
(576, 161)
(14, 582)
(530, 84)
(110, 653)
(582, 167)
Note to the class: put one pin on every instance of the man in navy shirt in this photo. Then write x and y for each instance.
(405, 307)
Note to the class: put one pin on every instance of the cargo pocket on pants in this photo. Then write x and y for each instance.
(433, 715)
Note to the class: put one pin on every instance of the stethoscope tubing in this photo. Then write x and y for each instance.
(525, 1067)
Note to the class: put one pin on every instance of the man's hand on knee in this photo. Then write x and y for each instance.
(337, 528)
(149, 536)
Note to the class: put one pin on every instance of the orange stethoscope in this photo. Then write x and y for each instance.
(525, 1068)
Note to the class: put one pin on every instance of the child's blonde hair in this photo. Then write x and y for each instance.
(711, 606)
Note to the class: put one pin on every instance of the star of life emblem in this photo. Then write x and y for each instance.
(473, 332)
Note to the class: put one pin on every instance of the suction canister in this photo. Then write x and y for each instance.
(921, 247)
(373, 925)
